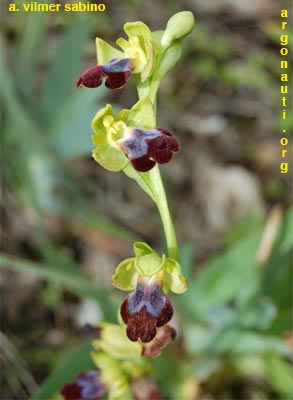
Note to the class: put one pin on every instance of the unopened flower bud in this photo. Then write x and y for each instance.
(178, 26)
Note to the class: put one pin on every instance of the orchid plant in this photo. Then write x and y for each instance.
(131, 142)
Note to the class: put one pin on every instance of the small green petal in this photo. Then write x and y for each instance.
(141, 249)
(134, 49)
(110, 158)
(142, 114)
(173, 277)
(123, 43)
(114, 342)
(125, 277)
(105, 52)
(148, 264)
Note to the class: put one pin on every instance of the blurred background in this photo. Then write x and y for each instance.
(67, 223)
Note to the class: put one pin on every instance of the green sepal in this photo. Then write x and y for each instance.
(125, 276)
(178, 26)
(148, 264)
(141, 249)
(114, 342)
(139, 29)
(105, 52)
(171, 56)
(142, 114)
(174, 280)
(110, 158)
(107, 156)
(99, 140)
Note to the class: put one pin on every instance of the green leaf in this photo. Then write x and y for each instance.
(29, 51)
(280, 373)
(277, 275)
(71, 125)
(74, 361)
(72, 279)
(285, 237)
(201, 339)
(223, 277)
(240, 342)
(277, 284)
(64, 70)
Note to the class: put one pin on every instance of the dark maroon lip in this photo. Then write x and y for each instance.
(144, 310)
(87, 385)
(145, 148)
(116, 72)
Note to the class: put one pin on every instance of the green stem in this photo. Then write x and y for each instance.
(162, 204)
(156, 183)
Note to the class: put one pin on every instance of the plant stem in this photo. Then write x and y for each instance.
(156, 182)
(162, 204)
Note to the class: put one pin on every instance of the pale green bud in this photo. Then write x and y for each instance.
(115, 343)
(178, 26)
(113, 374)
